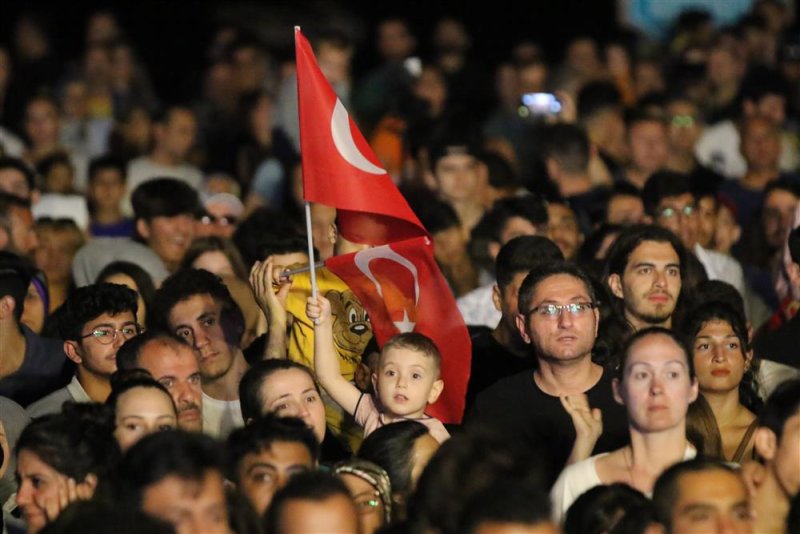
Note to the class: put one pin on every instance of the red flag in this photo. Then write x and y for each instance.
(403, 290)
(400, 285)
(339, 167)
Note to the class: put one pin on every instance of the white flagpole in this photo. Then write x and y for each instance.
(313, 268)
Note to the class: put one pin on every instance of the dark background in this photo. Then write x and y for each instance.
(172, 36)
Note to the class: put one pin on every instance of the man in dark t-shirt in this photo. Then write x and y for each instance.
(502, 352)
(557, 315)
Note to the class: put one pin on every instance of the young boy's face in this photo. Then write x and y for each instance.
(406, 382)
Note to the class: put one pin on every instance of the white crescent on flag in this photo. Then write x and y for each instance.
(343, 140)
(362, 260)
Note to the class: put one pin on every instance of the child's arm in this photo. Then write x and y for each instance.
(326, 361)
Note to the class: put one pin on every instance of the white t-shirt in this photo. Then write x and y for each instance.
(220, 418)
(580, 477)
(718, 149)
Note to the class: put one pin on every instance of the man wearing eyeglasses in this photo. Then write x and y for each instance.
(670, 200)
(567, 396)
(96, 320)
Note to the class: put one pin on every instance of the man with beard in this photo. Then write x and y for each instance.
(196, 306)
(645, 272)
(172, 363)
(95, 321)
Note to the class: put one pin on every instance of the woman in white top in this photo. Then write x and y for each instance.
(656, 382)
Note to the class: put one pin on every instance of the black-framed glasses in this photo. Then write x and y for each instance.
(555, 310)
(686, 211)
(105, 335)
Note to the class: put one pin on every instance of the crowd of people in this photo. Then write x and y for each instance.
(626, 259)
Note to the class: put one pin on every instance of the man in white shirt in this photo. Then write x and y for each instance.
(197, 307)
(174, 133)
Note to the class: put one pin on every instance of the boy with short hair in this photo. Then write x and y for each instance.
(407, 379)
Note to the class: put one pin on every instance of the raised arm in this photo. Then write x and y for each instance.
(326, 361)
(273, 304)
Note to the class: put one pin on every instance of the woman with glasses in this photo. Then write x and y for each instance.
(656, 383)
(371, 490)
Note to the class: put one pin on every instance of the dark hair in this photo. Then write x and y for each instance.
(7, 162)
(600, 508)
(568, 144)
(103, 163)
(7, 202)
(144, 282)
(90, 302)
(545, 270)
(781, 405)
(655, 331)
(314, 486)
(464, 466)
(265, 232)
(100, 516)
(720, 311)
(392, 448)
(46, 165)
(532, 208)
(666, 489)
(15, 277)
(164, 197)
(130, 351)
(436, 215)
(761, 82)
(501, 172)
(719, 291)
(794, 245)
(793, 517)
(76, 442)
(159, 455)
(260, 434)
(595, 97)
(123, 381)
(250, 385)
(506, 501)
(522, 254)
(629, 240)
(664, 184)
(214, 243)
(188, 283)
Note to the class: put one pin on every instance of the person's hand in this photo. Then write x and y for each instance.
(68, 492)
(588, 424)
(319, 310)
(264, 278)
(569, 111)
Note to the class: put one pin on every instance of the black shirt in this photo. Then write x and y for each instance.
(44, 369)
(517, 409)
(491, 362)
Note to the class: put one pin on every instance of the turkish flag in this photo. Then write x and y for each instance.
(339, 167)
(403, 290)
